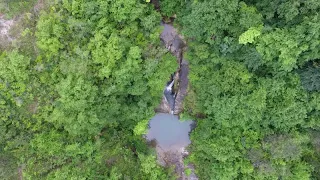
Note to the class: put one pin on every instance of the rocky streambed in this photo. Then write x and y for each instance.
(166, 131)
(176, 45)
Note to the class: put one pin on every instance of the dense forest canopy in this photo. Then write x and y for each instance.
(254, 80)
(69, 108)
(81, 79)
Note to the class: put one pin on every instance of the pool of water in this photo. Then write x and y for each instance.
(169, 133)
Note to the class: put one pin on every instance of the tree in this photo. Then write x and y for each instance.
(243, 79)
(310, 79)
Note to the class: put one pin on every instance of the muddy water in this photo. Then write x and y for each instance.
(169, 133)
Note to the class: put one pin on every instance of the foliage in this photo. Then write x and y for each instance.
(310, 78)
(12, 8)
(169, 8)
(78, 86)
(248, 79)
(141, 128)
(8, 166)
(188, 171)
(73, 106)
(249, 35)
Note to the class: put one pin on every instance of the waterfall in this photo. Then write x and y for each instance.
(169, 95)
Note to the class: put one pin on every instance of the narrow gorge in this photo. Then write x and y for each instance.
(167, 133)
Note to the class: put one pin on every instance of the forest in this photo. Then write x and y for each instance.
(79, 81)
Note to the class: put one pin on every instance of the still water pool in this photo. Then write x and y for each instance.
(169, 133)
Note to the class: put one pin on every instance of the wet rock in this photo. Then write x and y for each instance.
(168, 34)
(172, 40)
(176, 45)
(163, 106)
(183, 86)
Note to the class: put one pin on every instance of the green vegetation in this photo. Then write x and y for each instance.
(12, 8)
(254, 87)
(82, 78)
(74, 98)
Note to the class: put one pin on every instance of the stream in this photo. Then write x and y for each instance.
(169, 135)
